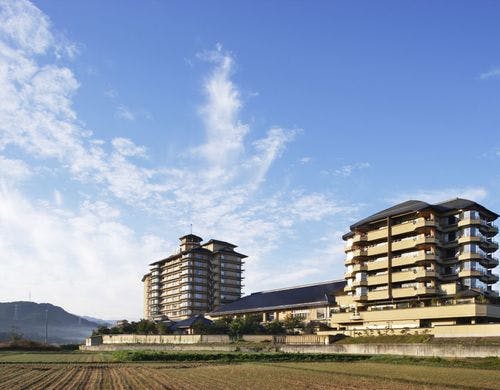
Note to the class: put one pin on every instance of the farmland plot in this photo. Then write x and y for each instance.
(199, 375)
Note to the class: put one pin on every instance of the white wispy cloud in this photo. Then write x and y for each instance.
(439, 195)
(348, 169)
(13, 169)
(219, 186)
(111, 93)
(224, 131)
(16, 26)
(126, 147)
(85, 260)
(492, 73)
(124, 112)
(58, 199)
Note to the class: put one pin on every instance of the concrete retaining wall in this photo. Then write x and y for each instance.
(306, 339)
(163, 347)
(478, 330)
(421, 350)
(163, 339)
(428, 350)
(257, 338)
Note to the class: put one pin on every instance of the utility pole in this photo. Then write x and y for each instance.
(46, 324)
(15, 312)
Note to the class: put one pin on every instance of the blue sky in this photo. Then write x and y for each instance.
(273, 125)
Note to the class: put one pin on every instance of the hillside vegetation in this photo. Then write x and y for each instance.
(27, 319)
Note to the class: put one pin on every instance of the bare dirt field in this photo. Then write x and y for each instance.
(98, 371)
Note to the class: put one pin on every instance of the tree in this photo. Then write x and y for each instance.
(312, 326)
(144, 327)
(101, 330)
(221, 325)
(162, 328)
(292, 323)
(249, 324)
(274, 327)
(201, 327)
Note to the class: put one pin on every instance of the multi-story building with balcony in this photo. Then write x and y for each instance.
(195, 280)
(419, 265)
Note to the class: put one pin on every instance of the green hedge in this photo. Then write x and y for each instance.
(143, 356)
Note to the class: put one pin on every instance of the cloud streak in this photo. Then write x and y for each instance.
(492, 73)
(219, 185)
(439, 195)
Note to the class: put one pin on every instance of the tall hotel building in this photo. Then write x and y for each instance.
(193, 281)
(417, 264)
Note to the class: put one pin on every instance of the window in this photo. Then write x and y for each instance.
(361, 291)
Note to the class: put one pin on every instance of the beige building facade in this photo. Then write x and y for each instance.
(420, 265)
(193, 281)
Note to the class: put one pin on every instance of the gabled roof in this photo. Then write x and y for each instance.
(417, 205)
(225, 243)
(179, 254)
(459, 203)
(309, 295)
(193, 237)
(189, 322)
(401, 208)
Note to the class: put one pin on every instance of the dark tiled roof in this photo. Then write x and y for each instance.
(193, 237)
(189, 322)
(225, 243)
(231, 252)
(196, 249)
(314, 294)
(459, 203)
(417, 205)
(401, 208)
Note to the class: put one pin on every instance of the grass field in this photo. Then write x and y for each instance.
(104, 370)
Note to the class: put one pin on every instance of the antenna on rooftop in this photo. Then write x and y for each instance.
(191, 226)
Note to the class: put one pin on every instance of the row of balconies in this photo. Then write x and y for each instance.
(483, 241)
(418, 223)
(486, 277)
(488, 228)
(485, 260)
(406, 227)
(403, 292)
(396, 261)
(415, 242)
(396, 246)
(406, 276)
(401, 276)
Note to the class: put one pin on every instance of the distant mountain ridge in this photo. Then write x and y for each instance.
(28, 319)
(100, 321)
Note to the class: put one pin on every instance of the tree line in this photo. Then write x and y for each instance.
(232, 326)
